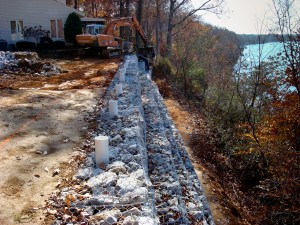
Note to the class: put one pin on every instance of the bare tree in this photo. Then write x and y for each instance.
(288, 32)
(139, 15)
(213, 6)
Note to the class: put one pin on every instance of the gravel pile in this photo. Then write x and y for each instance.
(26, 62)
(149, 179)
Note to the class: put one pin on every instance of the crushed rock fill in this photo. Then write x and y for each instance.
(149, 179)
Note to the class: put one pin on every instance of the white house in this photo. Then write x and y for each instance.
(17, 14)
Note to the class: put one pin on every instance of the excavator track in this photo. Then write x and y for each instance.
(111, 53)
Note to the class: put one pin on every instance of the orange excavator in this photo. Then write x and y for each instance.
(105, 40)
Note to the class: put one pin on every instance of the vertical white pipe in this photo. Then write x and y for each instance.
(113, 107)
(102, 150)
(119, 89)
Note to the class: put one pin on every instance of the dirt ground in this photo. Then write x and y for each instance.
(42, 119)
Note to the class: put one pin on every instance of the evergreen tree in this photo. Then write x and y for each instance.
(73, 26)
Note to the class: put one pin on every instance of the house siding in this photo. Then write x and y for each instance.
(32, 13)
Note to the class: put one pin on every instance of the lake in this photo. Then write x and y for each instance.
(254, 54)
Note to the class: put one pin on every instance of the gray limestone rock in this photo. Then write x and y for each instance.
(138, 174)
(138, 195)
(146, 220)
(105, 179)
(131, 132)
(117, 167)
(132, 212)
(191, 206)
(127, 184)
(89, 162)
(99, 200)
(110, 220)
(126, 158)
(173, 187)
(131, 220)
(198, 215)
(173, 202)
(114, 152)
(84, 173)
(116, 139)
(116, 213)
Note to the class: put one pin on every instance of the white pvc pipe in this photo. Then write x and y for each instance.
(102, 150)
(119, 89)
(113, 107)
(122, 76)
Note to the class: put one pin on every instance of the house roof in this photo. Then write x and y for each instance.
(80, 13)
(91, 19)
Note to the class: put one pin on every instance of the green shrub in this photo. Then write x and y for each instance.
(25, 45)
(45, 43)
(3, 45)
(59, 44)
(73, 26)
(162, 67)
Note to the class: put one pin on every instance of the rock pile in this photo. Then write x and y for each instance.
(26, 62)
(150, 179)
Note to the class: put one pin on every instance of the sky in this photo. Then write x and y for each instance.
(242, 16)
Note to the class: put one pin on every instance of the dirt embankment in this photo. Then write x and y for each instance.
(188, 121)
(42, 119)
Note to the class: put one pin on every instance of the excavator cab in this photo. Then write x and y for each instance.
(94, 29)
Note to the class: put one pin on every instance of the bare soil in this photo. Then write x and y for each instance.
(42, 119)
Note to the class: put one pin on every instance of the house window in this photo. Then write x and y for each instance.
(16, 27)
(56, 29)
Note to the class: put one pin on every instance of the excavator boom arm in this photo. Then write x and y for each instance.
(125, 22)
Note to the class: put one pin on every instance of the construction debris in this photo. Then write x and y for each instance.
(27, 62)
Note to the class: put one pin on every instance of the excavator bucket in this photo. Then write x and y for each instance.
(147, 52)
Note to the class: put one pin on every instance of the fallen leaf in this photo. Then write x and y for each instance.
(102, 166)
(46, 169)
(80, 197)
(36, 175)
(69, 199)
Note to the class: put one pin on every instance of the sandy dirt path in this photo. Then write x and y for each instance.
(42, 119)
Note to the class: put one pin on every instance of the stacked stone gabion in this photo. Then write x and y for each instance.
(149, 179)
(26, 62)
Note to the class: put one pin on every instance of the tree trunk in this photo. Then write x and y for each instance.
(170, 29)
(127, 29)
(139, 15)
(122, 14)
(75, 4)
(157, 28)
(93, 8)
